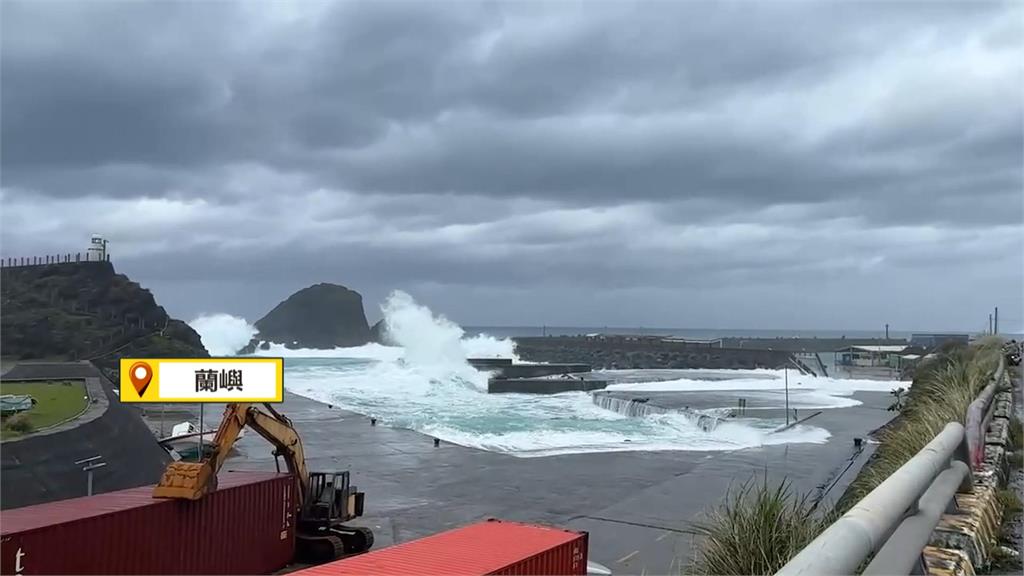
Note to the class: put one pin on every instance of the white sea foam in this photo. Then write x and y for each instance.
(371, 351)
(806, 391)
(423, 382)
(223, 334)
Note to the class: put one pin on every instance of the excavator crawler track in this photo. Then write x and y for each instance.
(356, 540)
(319, 549)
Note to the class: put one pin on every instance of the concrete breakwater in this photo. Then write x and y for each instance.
(808, 344)
(641, 407)
(626, 352)
(510, 370)
(542, 385)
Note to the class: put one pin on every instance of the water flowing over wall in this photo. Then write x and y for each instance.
(639, 408)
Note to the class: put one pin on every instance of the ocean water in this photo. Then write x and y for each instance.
(694, 333)
(425, 384)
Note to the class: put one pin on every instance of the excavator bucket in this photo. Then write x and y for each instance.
(187, 480)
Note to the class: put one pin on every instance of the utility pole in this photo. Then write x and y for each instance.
(199, 458)
(88, 465)
(787, 395)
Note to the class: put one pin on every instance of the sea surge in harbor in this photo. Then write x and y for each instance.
(424, 383)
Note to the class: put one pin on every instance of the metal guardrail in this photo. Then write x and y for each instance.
(88, 465)
(896, 519)
(979, 416)
(892, 515)
(67, 258)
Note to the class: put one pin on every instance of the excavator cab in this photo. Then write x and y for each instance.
(331, 498)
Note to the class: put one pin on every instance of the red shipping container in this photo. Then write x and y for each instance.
(491, 547)
(246, 526)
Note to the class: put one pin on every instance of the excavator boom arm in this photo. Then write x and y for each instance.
(193, 480)
(278, 431)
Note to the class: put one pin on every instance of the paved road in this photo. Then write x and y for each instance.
(634, 504)
(1016, 481)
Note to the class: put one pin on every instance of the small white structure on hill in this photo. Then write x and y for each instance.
(97, 251)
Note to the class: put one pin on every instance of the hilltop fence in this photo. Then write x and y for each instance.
(67, 258)
(120, 325)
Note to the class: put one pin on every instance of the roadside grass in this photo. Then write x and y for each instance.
(1010, 502)
(1016, 460)
(1015, 454)
(1016, 433)
(755, 529)
(56, 400)
(1003, 561)
(941, 393)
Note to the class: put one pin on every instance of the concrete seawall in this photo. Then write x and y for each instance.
(542, 385)
(640, 407)
(488, 363)
(644, 353)
(536, 370)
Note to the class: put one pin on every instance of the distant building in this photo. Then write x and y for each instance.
(871, 356)
(712, 343)
(929, 341)
(97, 251)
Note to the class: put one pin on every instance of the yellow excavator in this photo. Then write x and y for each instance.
(325, 500)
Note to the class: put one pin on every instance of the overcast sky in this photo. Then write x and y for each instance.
(678, 164)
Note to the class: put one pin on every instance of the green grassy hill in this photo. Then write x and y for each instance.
(86, 311)
(56, 401)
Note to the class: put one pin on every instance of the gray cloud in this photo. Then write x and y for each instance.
(682, 154)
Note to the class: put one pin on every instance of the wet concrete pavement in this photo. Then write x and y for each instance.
(636, 505)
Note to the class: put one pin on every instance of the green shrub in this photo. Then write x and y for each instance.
(1016, 460)
(1009, 501)
(756, 529)
(1016, 439)
(21, 425)
(1003, 561)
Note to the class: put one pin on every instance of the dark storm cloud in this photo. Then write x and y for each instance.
(109, 83)
(590, 103)
(496, 146)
